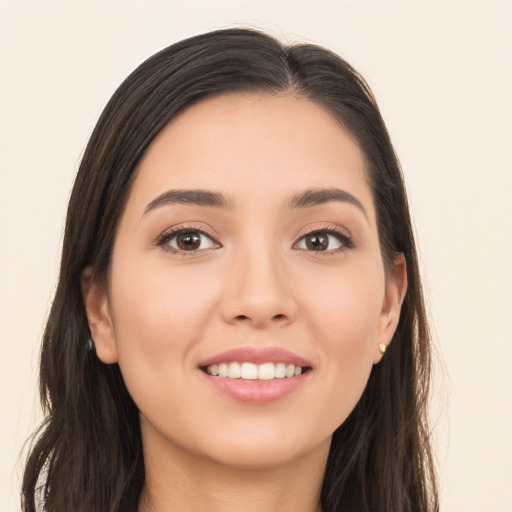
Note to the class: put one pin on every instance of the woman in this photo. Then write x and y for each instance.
(239, 320)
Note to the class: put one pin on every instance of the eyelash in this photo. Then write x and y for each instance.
(345, 239)
(164, 239)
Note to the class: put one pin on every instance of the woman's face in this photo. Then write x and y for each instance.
(248, 244)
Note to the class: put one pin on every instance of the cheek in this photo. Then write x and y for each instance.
(344, 318)
(346, 308)
(159, 317)
(154, 306)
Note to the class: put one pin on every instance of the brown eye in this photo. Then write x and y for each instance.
(188, 241)
(317, 241)
(324, 241)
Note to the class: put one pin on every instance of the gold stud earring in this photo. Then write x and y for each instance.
(382, 348)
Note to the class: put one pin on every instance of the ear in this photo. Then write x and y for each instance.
(94, 293)
(396, 288)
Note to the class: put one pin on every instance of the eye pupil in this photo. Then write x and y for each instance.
(188, 241)
(317, 242)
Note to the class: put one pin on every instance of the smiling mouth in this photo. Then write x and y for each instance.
(252, 371)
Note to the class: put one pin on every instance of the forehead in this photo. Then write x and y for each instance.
(252, 145)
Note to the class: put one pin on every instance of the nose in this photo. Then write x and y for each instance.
(258, 292)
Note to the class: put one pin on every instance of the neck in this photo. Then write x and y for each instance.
(181, 482)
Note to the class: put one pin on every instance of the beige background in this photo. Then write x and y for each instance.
(441, 72)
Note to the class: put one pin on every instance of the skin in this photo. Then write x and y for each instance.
(254, 282)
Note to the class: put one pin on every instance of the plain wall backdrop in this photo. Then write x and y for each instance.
(441, 72)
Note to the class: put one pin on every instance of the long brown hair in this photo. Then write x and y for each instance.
(87, 455)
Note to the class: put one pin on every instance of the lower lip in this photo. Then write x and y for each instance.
(257, 391)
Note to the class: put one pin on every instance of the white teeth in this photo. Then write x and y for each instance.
(234, 371)
(280, 371)
(266, 371)
(223, 370)
(251, 371)
(290, 370)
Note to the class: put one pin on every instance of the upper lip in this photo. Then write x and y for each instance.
(256, 356)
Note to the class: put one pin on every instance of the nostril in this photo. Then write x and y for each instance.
(279, 316)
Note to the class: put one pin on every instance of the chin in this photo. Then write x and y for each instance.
(263, 448)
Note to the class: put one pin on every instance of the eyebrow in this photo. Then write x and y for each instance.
(305, 199)
(195, 197)
(314, 197)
